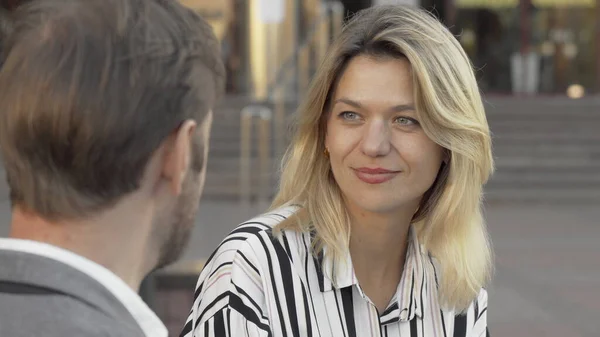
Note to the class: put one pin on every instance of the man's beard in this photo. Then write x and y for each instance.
(182, 221)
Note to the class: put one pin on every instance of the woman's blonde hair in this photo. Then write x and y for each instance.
(449, 221)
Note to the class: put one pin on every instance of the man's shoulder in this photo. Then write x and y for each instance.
(41, 294)
(57, 314)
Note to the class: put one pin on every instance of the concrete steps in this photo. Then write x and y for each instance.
(534, 195)
(547, 151)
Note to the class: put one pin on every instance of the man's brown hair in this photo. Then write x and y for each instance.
(90, 89)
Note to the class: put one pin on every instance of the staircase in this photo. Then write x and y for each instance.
(222, 178)
(547, 150)
(223, 169)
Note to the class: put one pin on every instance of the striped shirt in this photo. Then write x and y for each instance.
(256, 284)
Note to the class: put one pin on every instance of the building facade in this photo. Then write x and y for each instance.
(530, 46)
(536, 47)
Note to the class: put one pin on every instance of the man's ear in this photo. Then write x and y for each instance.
(176, 161)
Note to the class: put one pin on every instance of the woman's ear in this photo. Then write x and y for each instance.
(447, 156)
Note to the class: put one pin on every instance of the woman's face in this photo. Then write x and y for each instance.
(380, 156)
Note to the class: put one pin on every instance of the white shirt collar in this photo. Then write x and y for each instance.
(411, 294)
(150, 324)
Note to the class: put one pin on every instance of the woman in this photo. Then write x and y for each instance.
(377, 227)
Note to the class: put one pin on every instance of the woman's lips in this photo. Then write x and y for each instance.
(374, 175)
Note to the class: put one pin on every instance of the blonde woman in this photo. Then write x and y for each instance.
(377, 227)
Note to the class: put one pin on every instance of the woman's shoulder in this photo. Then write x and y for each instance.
(236, 268)
(262, 224)
(272, 218)
(251, 241)
(231, 277)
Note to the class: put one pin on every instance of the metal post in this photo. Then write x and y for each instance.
(245, 148)
(303, 67)
(264, 153)
(273, 46)
(279, 118)
(264, 150)
(258, 51)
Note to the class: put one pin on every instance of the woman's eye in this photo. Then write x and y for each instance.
(349, 115)
(406, 121)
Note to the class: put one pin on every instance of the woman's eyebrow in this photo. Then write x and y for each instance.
(358, 105)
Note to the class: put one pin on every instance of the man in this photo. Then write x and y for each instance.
(106, 113)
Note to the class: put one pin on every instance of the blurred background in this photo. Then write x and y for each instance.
(538, 65)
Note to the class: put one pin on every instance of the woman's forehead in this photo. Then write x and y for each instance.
(368, 81)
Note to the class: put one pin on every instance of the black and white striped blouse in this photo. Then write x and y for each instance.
(258, 285)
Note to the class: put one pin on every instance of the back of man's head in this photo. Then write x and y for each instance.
(88, 92)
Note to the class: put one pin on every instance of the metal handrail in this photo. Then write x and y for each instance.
(262, 115)
(332, 14)
(249, 114)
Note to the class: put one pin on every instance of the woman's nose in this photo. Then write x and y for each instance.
(376, 139)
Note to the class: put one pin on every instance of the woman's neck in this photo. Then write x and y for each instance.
(379, 242)
(378, 248)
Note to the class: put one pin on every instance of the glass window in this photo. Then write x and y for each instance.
(561, 50)
(564, 38)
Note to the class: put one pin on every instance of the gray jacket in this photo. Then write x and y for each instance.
(43, 297)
